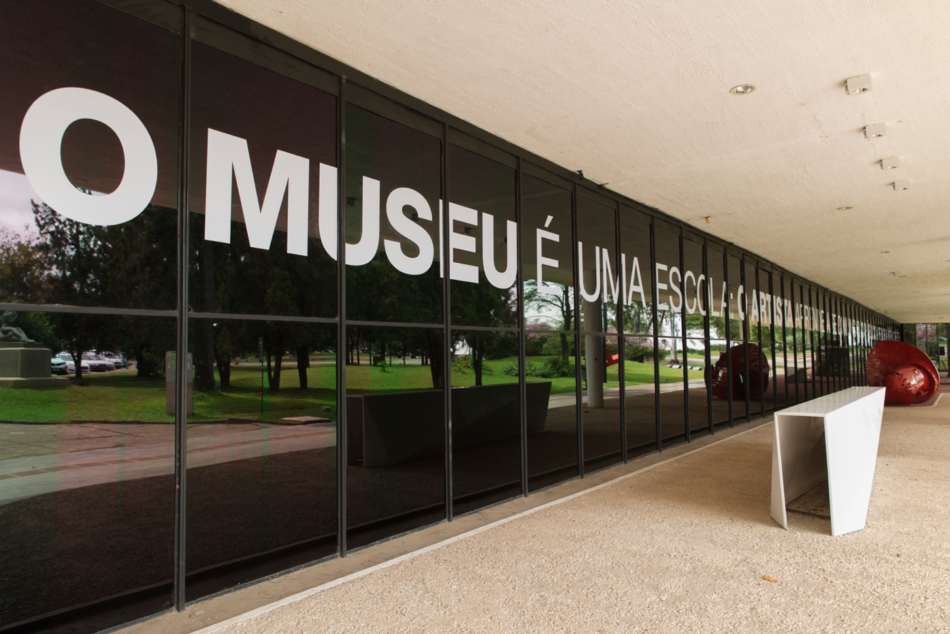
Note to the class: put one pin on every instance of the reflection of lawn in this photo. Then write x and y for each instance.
(124, 396)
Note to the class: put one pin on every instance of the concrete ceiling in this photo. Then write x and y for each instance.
(637, 95)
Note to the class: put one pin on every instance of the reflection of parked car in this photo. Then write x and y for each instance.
(70, 366)
(117, 360)
(58, 366)
(96, 364)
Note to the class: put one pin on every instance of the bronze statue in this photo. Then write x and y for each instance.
(9, 332)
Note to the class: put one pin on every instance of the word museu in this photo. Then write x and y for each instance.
(228, 161)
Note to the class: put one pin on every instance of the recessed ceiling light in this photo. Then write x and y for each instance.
(875, 130)
(890, 163)
(859, 84)
(885, 251)
(742, 89)
(901, 185)
(844, 208)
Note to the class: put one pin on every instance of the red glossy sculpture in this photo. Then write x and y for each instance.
(908, 374)
(719, 381)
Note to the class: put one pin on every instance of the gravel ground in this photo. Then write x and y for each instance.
(682, 547)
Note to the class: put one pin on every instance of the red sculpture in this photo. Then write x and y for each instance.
(718, 379)
(908, 374)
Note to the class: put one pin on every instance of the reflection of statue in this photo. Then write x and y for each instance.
(9, 332)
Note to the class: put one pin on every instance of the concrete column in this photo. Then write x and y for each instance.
(594, 354)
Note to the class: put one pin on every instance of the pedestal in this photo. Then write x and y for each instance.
(26, 365)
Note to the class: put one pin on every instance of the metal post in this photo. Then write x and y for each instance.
(683, 335)
(522, 387)
(727, 320)
(620, 360)
(744, 325)
(342, 346)
(579, 406)
(447, 323)
(181, 324)
(654, 315)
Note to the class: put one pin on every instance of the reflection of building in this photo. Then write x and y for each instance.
(230, 141)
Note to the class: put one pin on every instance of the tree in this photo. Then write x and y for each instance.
(562, 304)
(23, 267)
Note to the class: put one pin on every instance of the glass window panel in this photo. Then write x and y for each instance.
(547, 258)
(484, 241)
(758, 359)
(765, 336)
(262, 461)
(267, 137)
(737, 338)
(552, 449)
(801, 348)
(486, 418)
(670, 315)
(639, 370)
(61, 244)
(637, 265)
(395, 432)
(696, 353)
(640, 395)
(717, 302)
(601, 404)
(87, 455)
(394, 172)
(942, 346)
(601, 277)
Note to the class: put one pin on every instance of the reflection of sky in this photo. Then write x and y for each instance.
(16, 213)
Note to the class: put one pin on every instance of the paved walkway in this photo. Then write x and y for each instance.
(139, 451)
(681, 547)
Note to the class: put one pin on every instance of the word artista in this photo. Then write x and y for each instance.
(47, 119)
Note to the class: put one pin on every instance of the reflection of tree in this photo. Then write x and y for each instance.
(561, 303)
(488, 307)
(131, 265)
(239, 279)
(23, 267)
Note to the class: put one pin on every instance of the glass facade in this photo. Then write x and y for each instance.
(286, 317)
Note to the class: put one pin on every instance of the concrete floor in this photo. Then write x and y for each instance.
(681, 546)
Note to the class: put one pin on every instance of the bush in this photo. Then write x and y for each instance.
(554, 367)
(552, 347)
(534, 340)
(530, 369)
(463, 364)
(641, 348)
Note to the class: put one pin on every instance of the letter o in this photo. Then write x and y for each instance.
(41, 140)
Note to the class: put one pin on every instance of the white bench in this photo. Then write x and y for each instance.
(833, 438)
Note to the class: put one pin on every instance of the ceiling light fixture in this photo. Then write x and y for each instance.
(875, 130)
(901, 185)
(742, 89)
(890, 163)
(844, 208)
(858, 84)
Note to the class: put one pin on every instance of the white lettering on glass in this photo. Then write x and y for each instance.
(462, 242)
(229, 155)
(636, 282)
(674, 286)
(41, 141)
(543, 261)
(397, 201)
(660, 286)
(590, 297)
(506, 278)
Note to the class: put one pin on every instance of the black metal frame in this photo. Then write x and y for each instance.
(871, 325)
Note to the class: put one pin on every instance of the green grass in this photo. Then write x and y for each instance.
(126, 397)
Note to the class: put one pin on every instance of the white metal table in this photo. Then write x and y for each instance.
(833, 438)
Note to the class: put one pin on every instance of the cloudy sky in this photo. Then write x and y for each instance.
(15, 195)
